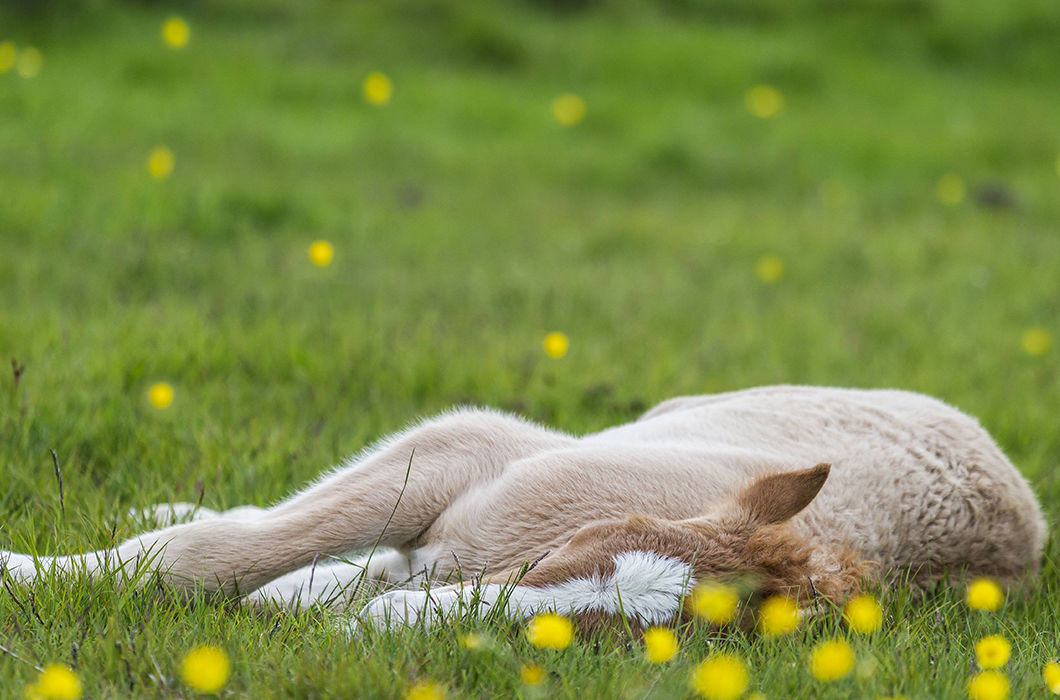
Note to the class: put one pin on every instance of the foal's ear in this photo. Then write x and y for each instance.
(775, 498)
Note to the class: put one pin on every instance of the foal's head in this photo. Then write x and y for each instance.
(752, 535)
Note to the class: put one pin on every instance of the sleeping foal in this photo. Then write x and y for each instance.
(624, 521)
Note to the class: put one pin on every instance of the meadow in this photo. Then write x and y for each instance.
(731, 194)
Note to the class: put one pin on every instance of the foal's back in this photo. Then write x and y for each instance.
(915, 483)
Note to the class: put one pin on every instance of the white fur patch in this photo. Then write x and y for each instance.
(644, 585)
(18, 566)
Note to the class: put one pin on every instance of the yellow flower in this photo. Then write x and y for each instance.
(160, 162)
(569, 109)
(715, 601)
(550, 631)
(778, 616)
(831, 660)
(984, 594)
(556, 344)
(473, 641)
(29, 62)
(992, 651)
(531, 674)
(56, 682)
(950, 189)
(8, 55)
(160, 395)
(988, 685)
(1051, 673)
(720, 677)
(205, 669)
(377, 89)
(769, 268)
(1036, 340)
(425, 690)
(321, 253)
(175, 32)
(764, 101)
(863, 614)
(660, 644)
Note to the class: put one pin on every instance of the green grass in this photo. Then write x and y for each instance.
(467, 224)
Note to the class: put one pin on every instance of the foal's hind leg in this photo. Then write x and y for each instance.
(388, 497)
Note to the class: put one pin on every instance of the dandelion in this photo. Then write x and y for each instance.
(778, 616)
(206, 669)
(660, 644)
(8, 55)
(160, 395)
(992, 651)
(1036, 340)
(950, 189)
(863, 614)
(984, 594)
(377, 89)
(831, 660)
(56, 682)
(769, 268)
(715, 601)
(556, 344)
(160, 162)
(425, 690)
(321, 253)
(532, 674)
(569, 109)
(1051, 673)
(473, 641)
(550, 631)
(175, 33)
(988, 685)
(764, 101)
(29, 62)
(720, 677)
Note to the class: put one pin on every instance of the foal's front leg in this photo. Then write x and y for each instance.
(641, 568)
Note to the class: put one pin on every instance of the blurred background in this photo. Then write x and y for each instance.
(240, 239)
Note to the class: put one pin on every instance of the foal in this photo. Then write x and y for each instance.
(624, 521)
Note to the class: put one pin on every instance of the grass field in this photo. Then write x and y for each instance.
(895, 223)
